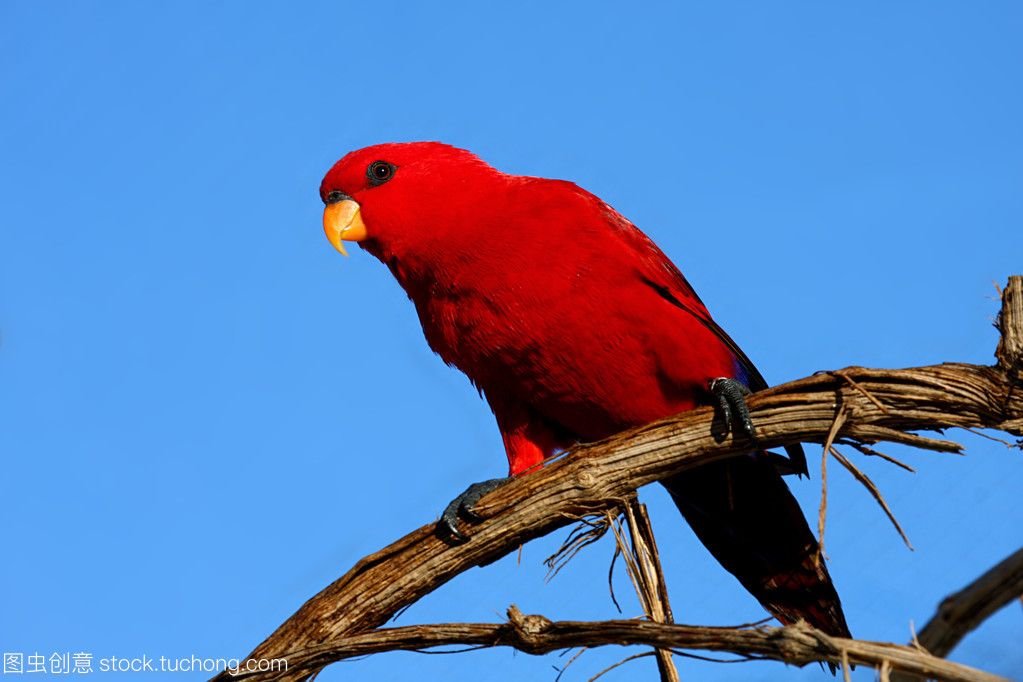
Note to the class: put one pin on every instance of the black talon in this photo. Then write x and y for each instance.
(463, 506)
(731, 399)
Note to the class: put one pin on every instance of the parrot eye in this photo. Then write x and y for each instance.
(380, 172)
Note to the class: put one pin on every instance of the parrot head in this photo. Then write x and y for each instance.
(403, 198)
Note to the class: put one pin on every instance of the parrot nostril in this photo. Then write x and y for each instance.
(335, 196)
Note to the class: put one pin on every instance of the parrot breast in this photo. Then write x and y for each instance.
(555, 313)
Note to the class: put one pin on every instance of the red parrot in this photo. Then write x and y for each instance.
(575, 326)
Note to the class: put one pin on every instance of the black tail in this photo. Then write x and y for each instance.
(743, 512)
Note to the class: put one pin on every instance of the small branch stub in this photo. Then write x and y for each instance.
(528, 630)
(1010, 324)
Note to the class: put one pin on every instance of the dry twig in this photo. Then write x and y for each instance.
(874, 453)
(874, 491)
(588, 531)
(648, 580)
(836, 426)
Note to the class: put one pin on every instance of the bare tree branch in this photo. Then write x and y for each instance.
(876, 405)
(963, 611)
(796, 645)
(960, 613)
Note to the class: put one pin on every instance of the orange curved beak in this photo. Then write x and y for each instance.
(342, 222)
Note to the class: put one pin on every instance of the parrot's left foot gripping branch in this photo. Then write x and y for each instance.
(463, 506)
(730, 397)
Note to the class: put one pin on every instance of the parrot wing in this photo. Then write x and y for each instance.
(663, 276)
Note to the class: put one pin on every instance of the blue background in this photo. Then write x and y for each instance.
(207, 414)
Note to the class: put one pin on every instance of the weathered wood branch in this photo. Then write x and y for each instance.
(878, 404)
(796, 645)
(960, 613)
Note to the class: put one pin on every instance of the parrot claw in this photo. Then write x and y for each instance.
(731, 399)
(463, 506)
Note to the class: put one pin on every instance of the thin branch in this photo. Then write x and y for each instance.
(836, 426)
(646, 531)
(797, 645)
(630, 561)
(585, 533)
(1002, 441)
(649, 579)
(611, 568)
(874, 491)
(963, 611)
(874, 453)
(620, 663)
(960, 613)
(575, 657)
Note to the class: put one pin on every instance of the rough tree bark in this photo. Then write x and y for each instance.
(856, 405)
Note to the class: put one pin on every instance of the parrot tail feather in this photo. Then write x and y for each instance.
(743, 512)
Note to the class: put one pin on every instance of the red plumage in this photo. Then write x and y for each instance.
(575, 326)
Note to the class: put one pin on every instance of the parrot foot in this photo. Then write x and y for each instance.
(463, 506)
(731, 399)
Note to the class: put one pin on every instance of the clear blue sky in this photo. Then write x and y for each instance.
(186, 455)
